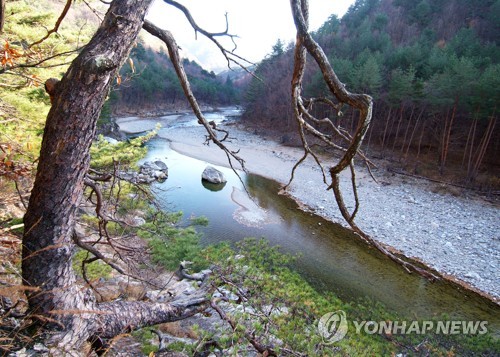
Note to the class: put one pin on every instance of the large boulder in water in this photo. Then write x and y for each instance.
(211, 174)
(214, 187)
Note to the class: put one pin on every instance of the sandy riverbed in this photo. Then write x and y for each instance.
(457, 235)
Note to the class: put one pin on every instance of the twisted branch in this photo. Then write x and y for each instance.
(173, 51)
(230, 56)
(56, 26)
(362, 102)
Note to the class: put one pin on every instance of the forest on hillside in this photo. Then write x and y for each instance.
(149, 82)
(433, 70)
(146, 83)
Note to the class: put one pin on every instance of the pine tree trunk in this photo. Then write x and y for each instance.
(469, 137)
(397, 128)
(48, 244)
(420, 140)
(446, 137)
(413, 132)
(2, 14)
(369, 140)
(483, 147)
(471, 154)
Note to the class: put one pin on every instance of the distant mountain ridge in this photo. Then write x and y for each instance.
(149, 84)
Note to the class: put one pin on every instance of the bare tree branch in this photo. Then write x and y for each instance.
(230, 56)
(56, 26)
(173, 51)
(362, 102)
(38, 63)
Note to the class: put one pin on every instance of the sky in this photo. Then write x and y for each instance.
(258, 24)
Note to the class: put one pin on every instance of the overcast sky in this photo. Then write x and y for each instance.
(258, 23)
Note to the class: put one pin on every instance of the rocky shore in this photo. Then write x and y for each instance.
(455, 233)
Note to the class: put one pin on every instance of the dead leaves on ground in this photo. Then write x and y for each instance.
(11, 168)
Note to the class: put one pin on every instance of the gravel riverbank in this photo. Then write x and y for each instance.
(457, 234)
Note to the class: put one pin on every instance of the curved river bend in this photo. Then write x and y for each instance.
(330, 256)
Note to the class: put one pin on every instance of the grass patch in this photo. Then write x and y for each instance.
(279, 305)
(94, 270)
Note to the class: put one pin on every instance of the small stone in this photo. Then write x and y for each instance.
(149, 166)
(161, 165)
(38, 347)
(159, 175)
(111, 140)
(137, 221)
(472, 275)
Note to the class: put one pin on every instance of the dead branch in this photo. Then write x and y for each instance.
(39, 62)
(361, 102)
(56, 26)
(96, 13)
(230, 56)
(79, 242)
(21, 198)
(173, 51)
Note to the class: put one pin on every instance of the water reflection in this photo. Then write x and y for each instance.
(214, 187)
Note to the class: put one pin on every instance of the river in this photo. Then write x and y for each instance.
(330, 257)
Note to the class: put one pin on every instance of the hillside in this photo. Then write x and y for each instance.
(29, 55)
(433, 70)
(149, 84)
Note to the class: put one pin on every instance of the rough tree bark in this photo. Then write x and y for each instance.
(54, 296)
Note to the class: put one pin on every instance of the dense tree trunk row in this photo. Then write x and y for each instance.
(411, 134)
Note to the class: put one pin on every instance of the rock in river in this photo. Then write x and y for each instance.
(157, 169)
(211, 174)
(161, 165)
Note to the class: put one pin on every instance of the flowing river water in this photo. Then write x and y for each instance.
(330, 257)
